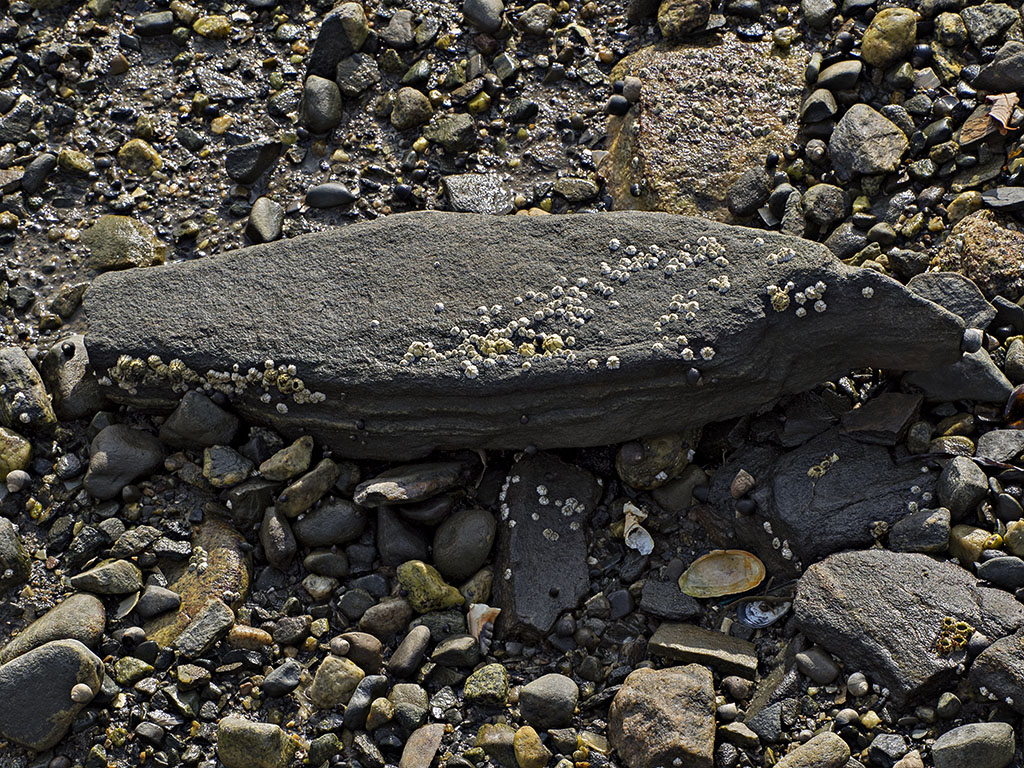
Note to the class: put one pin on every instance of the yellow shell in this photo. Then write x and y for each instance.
(722, 572)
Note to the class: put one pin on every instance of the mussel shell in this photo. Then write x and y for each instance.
(722, 572)
(760, 613)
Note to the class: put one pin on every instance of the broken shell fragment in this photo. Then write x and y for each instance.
(636, 535)
(742, 484)
(722, 572)
(761, 613)
(481, 620)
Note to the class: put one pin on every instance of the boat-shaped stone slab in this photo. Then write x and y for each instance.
(424, 331)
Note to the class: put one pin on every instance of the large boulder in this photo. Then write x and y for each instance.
(423, 331)
(688, 138)
(664, 717)
(883, 612)
(36, 706)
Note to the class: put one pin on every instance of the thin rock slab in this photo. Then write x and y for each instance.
(421, 747)
(665, 717)
(820, 498)
(226, 576)
(881, 613)
(542, 566)
(356, 310)
(689, 643)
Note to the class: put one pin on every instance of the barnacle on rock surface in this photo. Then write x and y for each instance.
(953, 635)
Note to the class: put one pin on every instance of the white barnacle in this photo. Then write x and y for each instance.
(592, 364)
(439, 307)
(613, 244)
(867, 292)
(820, 306)
(707, 353)
(801, 312)
(282, 408)
(686, 354)
(612, 362)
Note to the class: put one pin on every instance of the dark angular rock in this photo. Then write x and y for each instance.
(70, 380)
(882, 420)
(664, 599)
(341, 34)
(542, 563)
(283, 679)
(15, 563)
(1005, 73)
(212, 313)
(335, 522)
(198, 422)
(811, 516)
(973, 377)
(245, 163)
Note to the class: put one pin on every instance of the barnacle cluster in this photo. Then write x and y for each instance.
(779, 297)
(547, 319)
(130, 373)
(953, 635)
(818, 470)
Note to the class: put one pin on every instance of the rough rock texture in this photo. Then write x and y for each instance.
(347, 335)
(864, 142)
(664, 717)
(986, 248)
(689, 643)
(692, 173)
(36, 708)
(811, 516)
(535, 530)
(881, 613)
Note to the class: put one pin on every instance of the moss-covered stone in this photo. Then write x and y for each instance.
(889, 37)
(139, 157)
(487, 685)
(15, 452)
(427, 590)
(121, 242)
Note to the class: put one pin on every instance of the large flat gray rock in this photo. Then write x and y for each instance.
(350, 307)
(882, 612)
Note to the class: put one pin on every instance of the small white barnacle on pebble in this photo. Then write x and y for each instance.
(758, 240)
(613, 304)
(686, 354)
(912, 506)
(767, 527)
(265, 397)
(867, 292)
(801, 312)
(612, 362)
(915, 489)
(439, 307)
(592, 364)
(776, 543)
(472, 371)
(508, 574)
(542, 490)
(282, 408)
(658, 347)
(820, 306)
(613, 244)
(707, 353)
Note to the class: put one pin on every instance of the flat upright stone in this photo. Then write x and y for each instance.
(689, 170)
(881, 612)
(359, 310)
(691, 644)
(36, 708)
(205, 629)
(819, 498)
(542, 566)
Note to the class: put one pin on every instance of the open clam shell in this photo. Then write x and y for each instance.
(722, 572)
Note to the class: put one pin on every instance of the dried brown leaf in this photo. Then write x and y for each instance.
(1001, 108)
(977, 126)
